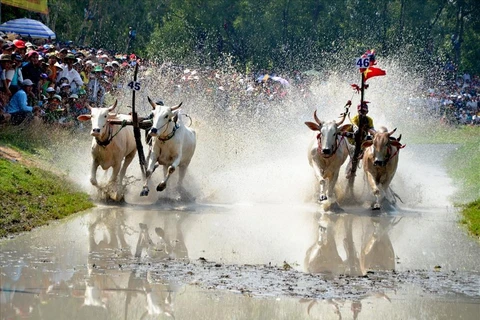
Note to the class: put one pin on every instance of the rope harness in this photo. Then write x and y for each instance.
(171, 134)
(335, 146)
(105, 143)
(389, 156)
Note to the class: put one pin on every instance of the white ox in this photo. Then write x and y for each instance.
(327, 154)
(380, 161)
(112, 146)
(172, 147)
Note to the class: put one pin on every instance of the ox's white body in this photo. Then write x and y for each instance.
(327, 153)
(112, 146)
(380, 162)
(173, 146)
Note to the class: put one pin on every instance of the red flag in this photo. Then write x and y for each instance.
(373, 72)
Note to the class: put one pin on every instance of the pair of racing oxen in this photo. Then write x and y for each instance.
(330, 150)
(114, 146)
(173, 146)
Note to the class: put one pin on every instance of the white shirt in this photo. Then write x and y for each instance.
(74, 78)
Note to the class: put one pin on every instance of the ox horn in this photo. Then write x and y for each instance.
(114, 106)
(151, 102)
(399, 138)
(392, 132)
(339, 122)
(175, 108)
(316, 118)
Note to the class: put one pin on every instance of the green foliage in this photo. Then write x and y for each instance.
(281, 34)
(299, 34)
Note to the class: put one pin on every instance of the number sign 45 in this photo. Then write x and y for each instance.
(134, 85)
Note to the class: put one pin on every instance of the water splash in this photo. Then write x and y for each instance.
(253, 150)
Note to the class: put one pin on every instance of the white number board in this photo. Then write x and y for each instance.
(362, 62)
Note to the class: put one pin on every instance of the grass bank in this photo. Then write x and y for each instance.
(31, 197)
(463, 166)
(31, 194)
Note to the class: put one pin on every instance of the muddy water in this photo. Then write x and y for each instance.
(253, 260)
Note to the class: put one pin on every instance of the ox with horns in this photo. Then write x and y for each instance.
(380, 161)
(113, 146)
(327, 154)
(173, 146)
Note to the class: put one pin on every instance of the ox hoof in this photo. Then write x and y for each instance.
(144, 193)
(161, 186)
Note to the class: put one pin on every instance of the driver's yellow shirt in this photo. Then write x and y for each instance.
(356, 120)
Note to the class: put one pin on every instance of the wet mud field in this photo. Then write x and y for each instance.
(250, 260)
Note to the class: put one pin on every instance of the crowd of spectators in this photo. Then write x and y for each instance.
(456, 101)
(52, 83)
(55, 83)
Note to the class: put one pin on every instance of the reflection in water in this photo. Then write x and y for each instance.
(366, 247)
(154, 243)
(101, 290)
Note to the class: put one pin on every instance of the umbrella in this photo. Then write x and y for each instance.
(28, 27)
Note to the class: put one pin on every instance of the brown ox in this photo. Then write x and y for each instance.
(380, 161)
(327, 154)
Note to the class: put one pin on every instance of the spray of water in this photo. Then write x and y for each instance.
(253, 150)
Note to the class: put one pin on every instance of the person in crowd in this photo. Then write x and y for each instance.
(43, 84)
(20, 48)
(65, 91)
(53, 110)
(96, 88)
(70, 73)
(86, 72)
(61, 56)
(7, 74)
(53, 67)
(18, 75)
(18, 107)
(32, 70)
(8, 47)
(50, 91)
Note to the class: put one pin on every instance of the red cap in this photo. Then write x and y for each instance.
(20, 44)
(32, 53)
(363, 106)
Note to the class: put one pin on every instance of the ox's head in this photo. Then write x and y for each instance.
(327, 139)
(99, 117)
(162, 117)
(382, 143)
